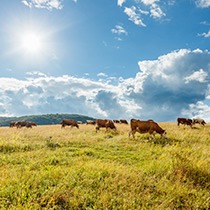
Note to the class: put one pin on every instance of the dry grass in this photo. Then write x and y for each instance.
(47, 167)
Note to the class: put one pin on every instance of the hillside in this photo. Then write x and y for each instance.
(46, 119)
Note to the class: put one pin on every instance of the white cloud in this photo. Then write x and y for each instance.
(203, 3)
(134, 15)
(47, 4)
(173, 85)
(120, 2)
(161, 85)
(156, 11)
(43, 94)
(149, 2)
(199, 76)
(34, 74)
(102, 74)
(205, 23)
(119, 30)
(139, 9)
(206, 35)
(171, 2)
(28, 4)
(198, 110)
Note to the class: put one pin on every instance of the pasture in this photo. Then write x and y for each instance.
(47, 167)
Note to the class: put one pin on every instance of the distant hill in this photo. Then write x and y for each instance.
(46, 119)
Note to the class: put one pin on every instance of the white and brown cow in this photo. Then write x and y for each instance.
(199, 121)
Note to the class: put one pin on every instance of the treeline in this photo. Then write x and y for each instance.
(45, 119)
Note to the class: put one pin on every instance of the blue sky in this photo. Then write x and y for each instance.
(107, 59)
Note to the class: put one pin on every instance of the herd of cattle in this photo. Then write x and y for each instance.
(21, 124)
(148, 126)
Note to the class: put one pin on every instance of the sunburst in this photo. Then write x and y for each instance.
(31, 42)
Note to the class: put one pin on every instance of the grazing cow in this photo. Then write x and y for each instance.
(32, 123)
(184, 121)
(21, 124)
(124, 121)
(148, 126)
(67, 122)
(12, 124)
(90, 122)
(104, 124)
(116, 121)
(199, 121)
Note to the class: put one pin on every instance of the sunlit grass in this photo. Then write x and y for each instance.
(49, 167)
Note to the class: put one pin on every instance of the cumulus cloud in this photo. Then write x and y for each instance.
(173, 85)
(199, 76)
(46, 4)
(161, 86)
(40, 93)
(198, 110)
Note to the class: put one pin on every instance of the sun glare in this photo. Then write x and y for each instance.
(31, 42)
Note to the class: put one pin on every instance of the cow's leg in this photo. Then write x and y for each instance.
(97, 128)
(106, 129)
(152, 135)
(133, 134)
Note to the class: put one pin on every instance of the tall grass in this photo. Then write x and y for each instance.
(52, 168)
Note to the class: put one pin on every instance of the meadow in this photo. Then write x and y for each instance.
(47, 167)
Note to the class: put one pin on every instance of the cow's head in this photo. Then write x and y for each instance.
(164, 134)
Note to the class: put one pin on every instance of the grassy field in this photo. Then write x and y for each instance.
(47, 167)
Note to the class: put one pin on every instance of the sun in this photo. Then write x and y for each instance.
(31, 42)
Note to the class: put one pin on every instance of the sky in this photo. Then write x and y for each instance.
(115, 59)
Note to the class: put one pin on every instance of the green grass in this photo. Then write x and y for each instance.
(52, 168)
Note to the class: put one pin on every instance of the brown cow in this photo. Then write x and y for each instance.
(124, 121)
(71, 123)
(104, 124)
(21, 124)
(12, 124)
(199, 121)
(32, 123)
(184, 121)
(116, 121)
(150, 127)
